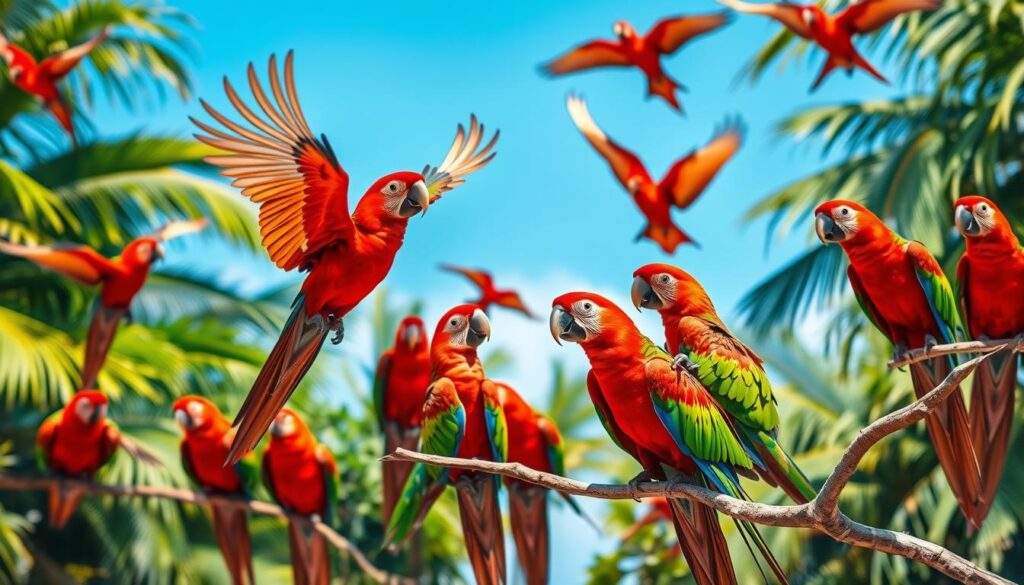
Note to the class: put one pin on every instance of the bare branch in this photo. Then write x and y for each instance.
(925, 353)
(12, 483)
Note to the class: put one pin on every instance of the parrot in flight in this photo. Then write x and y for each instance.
(40, 79)
(301, 475)
(119, 279)
(462, 417)
(75, 442)
(302, 191)
(643, 52)
(680, 187)
(668, 421)
(489, 295)
(990, 279)
(922, 314)
(730, 371)
(834, 33)
(204, 445)
(400, 384)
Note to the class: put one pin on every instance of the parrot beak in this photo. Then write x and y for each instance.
(98, 413)
(412, 337)
(644, 296)
(158, 252)
(564, 327)
(417, 199)
(966, 222)
(479, 329)
(827, 229)
(183, 419)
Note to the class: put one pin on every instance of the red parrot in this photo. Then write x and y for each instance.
(303, 478)
(923, 313)
(462, 417)
(119, 279)
(991, 287)
(667, 421)
(207, 437)
(643, 52)
(489, 295)
(400, 384)
(40, 79)
(680, 187)
(75, 442)
(302, 191)
(834, 33)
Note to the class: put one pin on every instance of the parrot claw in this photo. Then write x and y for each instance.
(337, 325)
(899, 352)
(929, 343)
(634, 484)
(682, 361)
(1018, 342)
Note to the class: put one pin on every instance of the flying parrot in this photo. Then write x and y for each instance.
(301, 475)
(204, 445)
(680, 187)
(302, 191)
(629, 49)
(400, 383)
(991, 285)
(489, 295)
(119, 279)
(666, 420)
(731, 372)
(40, 79)
(75, 442)
(462, 417)
(834, 33)
(902, 289)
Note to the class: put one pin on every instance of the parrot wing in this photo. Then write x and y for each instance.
(465, 156)
(870, 15)
(865, 302)
(588, 56)
(45, 437)
(497, 425)
(60, 64)
(555, 447)
(268, 477)
(671, 33)
(329, 469)
(75, 261)
(626, 165)
(621, 440)
(787, 14)
(482, 279)
(511, 300)
(296, 179)
(380, 384)
(248, 471)
(691, 175)
(941, 301)
(187, 465)
(963, 275)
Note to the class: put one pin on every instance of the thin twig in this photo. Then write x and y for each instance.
(925, 353)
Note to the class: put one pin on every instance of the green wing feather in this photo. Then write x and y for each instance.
(937, 290)
(497, 426)
(553, 444)
(380, 381)
(248, 470)
(329, 471)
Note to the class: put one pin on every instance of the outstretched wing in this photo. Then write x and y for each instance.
(870, 15)
(483, 280)
(511, 300)
(689, 176)
(626, 166)
(174, 229)
(465, 156)
(588, 56)
(301, 188)
(671, 33)
(936, 289)
(75, 261)
(60, 64)
(787, 14)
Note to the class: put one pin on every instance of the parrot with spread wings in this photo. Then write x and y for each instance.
(40, 79)
(834, 33)
(684, 182)
(302, 192)
(119, 280)
(644, 52)
(489, 294)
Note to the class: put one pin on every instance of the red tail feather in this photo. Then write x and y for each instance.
(101, 335)
(703, 543)
(528, 509)
(394, 473)
(311, 561)
(993, 392)
(481, 527)
(230, 527)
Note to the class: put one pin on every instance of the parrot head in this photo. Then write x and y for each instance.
(977, 218)
(402, 194)
(288, 425)
(812, 16)
(87, 407)
(581, 317)
(195, 413)
(142, 252)
(463, 327)
(663, 287)
(845, 222)
(412, 334)
(624, 30)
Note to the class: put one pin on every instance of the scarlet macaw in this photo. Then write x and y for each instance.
(204, 445)
(302, 191)
(119, 279)
(923, 313)
(301, 475)
(400, 383)
(834, 33)
(680, 187)
(462, 417)
(643, 52)
(990, 279)
(666, 420)
(489, 295)
(40, 79)
(731, 371)
(75, 442)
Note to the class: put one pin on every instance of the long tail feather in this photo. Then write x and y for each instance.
(101, 335)
(779, 466)
(664, 87)
(702, 542)
(231, 528)
(395, 473)
(826, 69)
(60, 110)
(418, 496)
(481, 527)
(863, 63)
(668, 237)
(528, 509)
(63, 502)
(993, 392)
(310, 558)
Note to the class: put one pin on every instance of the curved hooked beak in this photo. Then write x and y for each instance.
(966, 222)
(827, 229)
(643, 295)
(184, 419)
(412, 337)
(479, 329)
(98, 414)
(417, 200)
(564, 327)
(158, 252)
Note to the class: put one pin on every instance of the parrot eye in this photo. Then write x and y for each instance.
(665, 278)
(393, 187)
(983, 208)
(844, 211)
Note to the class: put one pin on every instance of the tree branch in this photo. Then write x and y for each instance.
(925, 353)
(12, 483)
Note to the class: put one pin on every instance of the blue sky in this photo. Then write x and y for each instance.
(388, 81)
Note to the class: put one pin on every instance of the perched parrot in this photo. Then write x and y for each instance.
(680, 187)
(75, 442)
(204, 445)
(489, 295)
(991, 286)
(643, 52)
(731, 371)
(403, 374)
(301, 475)
(666, 420)
(302, 191)
(119, 279)
(462, 417)
(40, 79)
(534, 441)
(834, 33)
(903, 291)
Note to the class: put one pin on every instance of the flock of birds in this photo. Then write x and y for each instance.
(697, 408)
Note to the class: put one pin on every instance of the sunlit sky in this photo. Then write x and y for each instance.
(387, 82)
